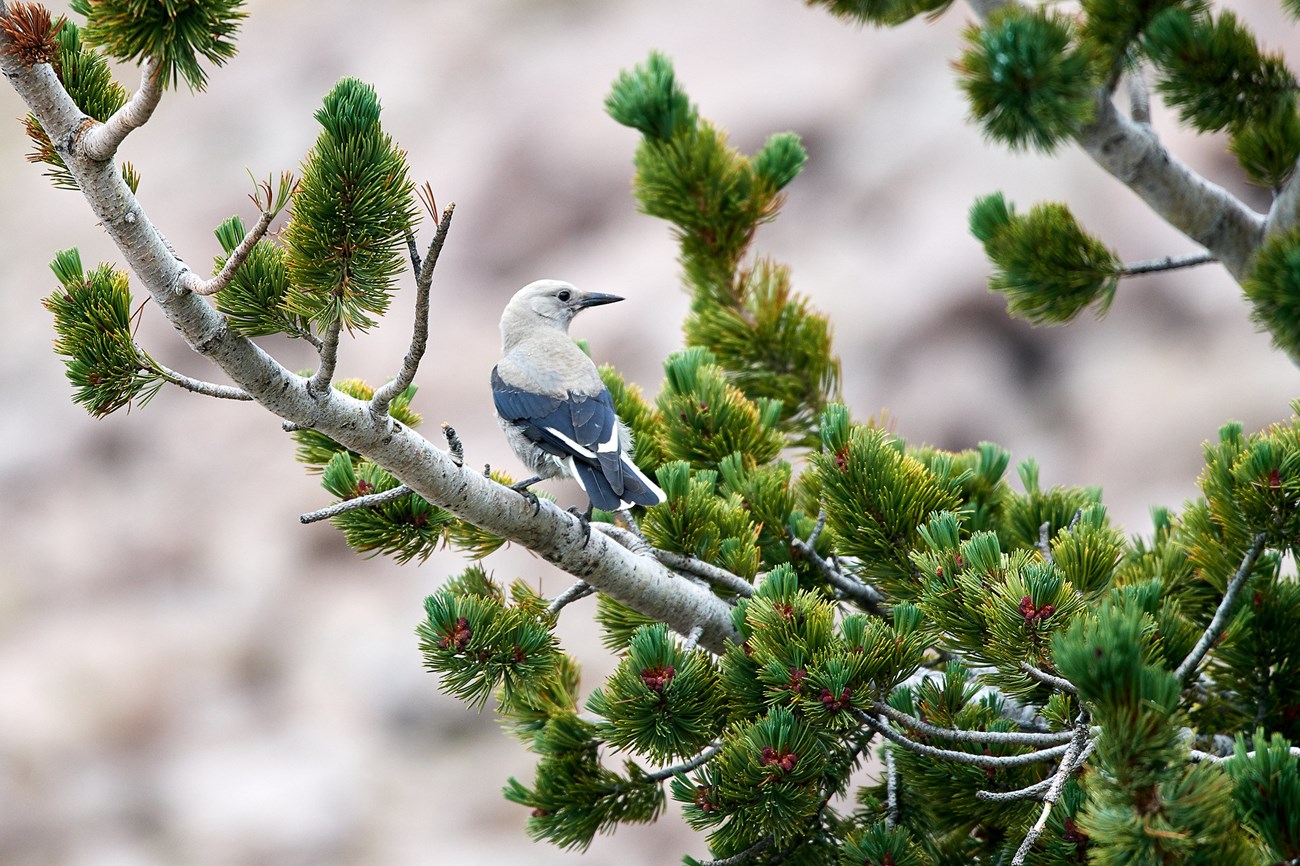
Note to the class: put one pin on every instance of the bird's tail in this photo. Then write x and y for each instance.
(637, 489)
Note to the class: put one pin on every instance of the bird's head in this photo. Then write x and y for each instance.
(550, 303)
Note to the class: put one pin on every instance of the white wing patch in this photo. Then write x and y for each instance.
(574, 446)
(610, 444)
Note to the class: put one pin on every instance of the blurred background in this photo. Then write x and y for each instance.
(188, 676)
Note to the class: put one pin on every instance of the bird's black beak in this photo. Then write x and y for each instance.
(595, 299)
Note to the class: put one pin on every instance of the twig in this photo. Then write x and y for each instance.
(692, 639)
(101, 142)
(987, 761)
(208, 389)
(1139, 98)
(1033, 792)
(1045, 543)
(1018, 738)
(455, 447)
(1197, 756)
(1059, 683)
(1221, 616)
(581, 589)
(420, 337)
(630, 540)
(866, 597)
(1168, 263)
(319, 384)
(719, 577)
(269, 202)
(371, 500)
(891, 790)
(687, 766)
(1053, 792)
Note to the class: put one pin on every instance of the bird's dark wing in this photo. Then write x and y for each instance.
(584, 429)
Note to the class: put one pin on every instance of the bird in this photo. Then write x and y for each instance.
(555, 411)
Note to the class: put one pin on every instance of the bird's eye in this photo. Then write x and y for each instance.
(563, 295)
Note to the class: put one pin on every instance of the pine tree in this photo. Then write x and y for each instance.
(815, 589)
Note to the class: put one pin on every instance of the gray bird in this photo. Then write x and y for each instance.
(557, 414)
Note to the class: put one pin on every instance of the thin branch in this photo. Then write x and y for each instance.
(891, 790)
(866, 597)
(1168, 263)
(420, 338)
(1197, 756)
(626, 538)
(987, 761)
(370, 500)
(1284, 215)
(208, 389)
(454, 446)
(719, 577)
(692, 639)
(1139, 97)
(1018, 738)
(101, 142)
(1033, 792)
(1224, 613)
(1044, 542)
(1058, 683)
(687, 766)
(581, 589)
(319, 384)
(234, 261)
(1053, 792)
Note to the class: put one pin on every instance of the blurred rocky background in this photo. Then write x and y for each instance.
(187, 676)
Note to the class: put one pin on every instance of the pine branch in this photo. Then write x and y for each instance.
(866, 597)
(1053, 793)
(319, 384)
(891, 789)
(637, 581)
(1225, 610)
(1139, 96)
(1133, 154)
(373, 500)
(420, 339)
(1059, 683)
(197, 386)
(964, 736)
(1168, 263)
(102, 142)
(687, 766)
(985, 761)
(719, 577)
(581, 589)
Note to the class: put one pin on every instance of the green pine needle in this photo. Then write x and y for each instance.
(886, 13)
(1213, 72)
(650, 100)
(1027, 84)
(1273, 288)
(1048, 267)
(177, 33)
(1111, 27)
(407, 528)
(93, 321)
(346, 240)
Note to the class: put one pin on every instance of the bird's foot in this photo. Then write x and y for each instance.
(584, 518)
(521, 487)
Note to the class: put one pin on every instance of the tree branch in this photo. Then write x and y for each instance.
(1168, 263)
(101, 142)
(1225, 610)
(639, 582)
(234, 261)
(581, 589)
(370, 500)
(319, 384)
(963, 736)
(420, 338)
(208, 389)
(986, 761)
(1053, 792)
(1059, 683)
(866, 597)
